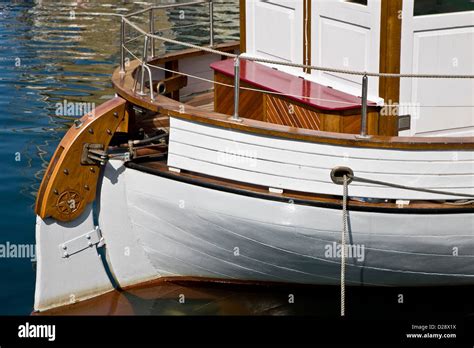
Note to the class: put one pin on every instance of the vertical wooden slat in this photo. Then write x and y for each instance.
(243, 29)
(307, 34)
(390, 48)
(172, 65)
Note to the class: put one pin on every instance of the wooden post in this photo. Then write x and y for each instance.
(243, 24)
(390, 50)
(307, 34)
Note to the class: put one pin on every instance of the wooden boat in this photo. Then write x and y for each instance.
(272, 159)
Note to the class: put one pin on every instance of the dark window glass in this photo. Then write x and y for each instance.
(360, 2)
(427, 7)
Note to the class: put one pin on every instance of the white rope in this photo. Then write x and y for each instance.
(285, 94)
(343, 247)
(411, 188)
(354, 72)
(249, 88)
(134, 56)
(205, 49)
(296, 65)
(253, 89)
(269, 61)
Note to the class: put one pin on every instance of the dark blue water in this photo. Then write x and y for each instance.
(48, 56)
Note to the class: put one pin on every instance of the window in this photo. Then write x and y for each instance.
(428, 7)
(360, 2)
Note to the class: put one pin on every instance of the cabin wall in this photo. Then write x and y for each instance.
(304, 166)
(346, 36)
(275, 30)
(354, 35)
(439, 43)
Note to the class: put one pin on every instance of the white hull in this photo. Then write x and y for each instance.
(158, 227)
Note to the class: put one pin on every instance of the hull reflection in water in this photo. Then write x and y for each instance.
(188, 297)
(183, 297)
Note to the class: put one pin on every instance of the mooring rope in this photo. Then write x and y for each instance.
(411, 188)
(343, 246)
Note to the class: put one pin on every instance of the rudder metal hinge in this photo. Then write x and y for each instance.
(83, 242)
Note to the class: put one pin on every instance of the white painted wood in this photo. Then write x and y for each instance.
(200, 67)
(275, 31)
(438, 44)
(346, 36)
(156, 73)
(306, 167)
(306, 173)
(363, 165)
(126, 257)
(187, 230)
(327, 150)
(62, 281)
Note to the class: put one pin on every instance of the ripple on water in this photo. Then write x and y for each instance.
(51, 51)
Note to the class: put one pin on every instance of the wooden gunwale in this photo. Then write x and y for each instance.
(295, 197)
(123, 84)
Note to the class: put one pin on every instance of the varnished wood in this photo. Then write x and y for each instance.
(123, 126)
(68, 186)
(285, 111)
(295, 195)
(281, 111)
(172, 84)
(204, 101)
(390, 56)
(149, 125)
(243, 26)
(307, 34)
(172, 65)
(250, 102)
(123, 85)
(298, 89)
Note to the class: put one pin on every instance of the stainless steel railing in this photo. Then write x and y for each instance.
(149, 46)
(151, 26)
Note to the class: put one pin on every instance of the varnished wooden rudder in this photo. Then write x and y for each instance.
(69, 184)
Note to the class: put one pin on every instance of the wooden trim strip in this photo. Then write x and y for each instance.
(390, 56)
(243, 26)
(307, 34)
(299, 198)
(124, 83)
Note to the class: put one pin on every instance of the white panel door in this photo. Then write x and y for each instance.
(346, 34)
(275, 31)
(437, 40)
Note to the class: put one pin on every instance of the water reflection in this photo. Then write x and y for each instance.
(196, 298)
(52, 51)
(181, 297)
